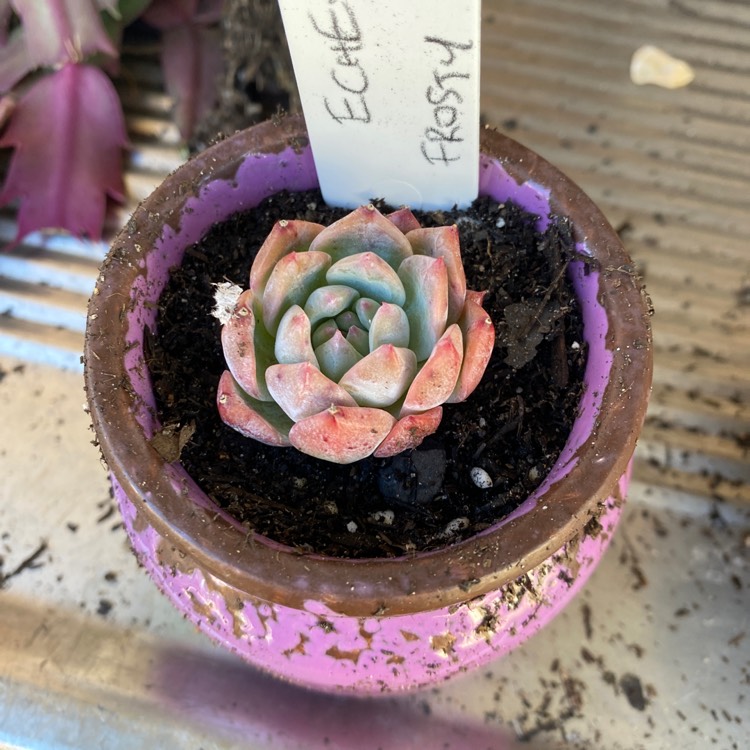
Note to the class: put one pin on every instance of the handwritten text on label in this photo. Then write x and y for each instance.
(345, 39)
(440, 139)
(390, 91)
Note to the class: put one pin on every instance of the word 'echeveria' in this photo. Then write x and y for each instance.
(351, 337)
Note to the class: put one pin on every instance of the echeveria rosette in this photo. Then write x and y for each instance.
(351, 337)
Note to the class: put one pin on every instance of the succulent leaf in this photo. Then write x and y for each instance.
(364, 228)
(263, 421)
(370, 275)
(352, 337)
(342, 434)
(248, 349)
(436, 379)
(389, 326)
(346, 320)
(404, 220)
(426, 283)
(302, 390)
(329, 301)
(285, 237)
(336, 356)
(443, 242)
(479, 335)
(293, 340)
(382, 377)
(409, 432)
(359, 339)
(366, 309)
(324, 332)
(292, 280)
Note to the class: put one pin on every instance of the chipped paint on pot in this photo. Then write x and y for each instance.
(363, 626)
(317, 647)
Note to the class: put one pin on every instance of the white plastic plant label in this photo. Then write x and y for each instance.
(390, 92)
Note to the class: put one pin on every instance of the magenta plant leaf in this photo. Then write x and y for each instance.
(57, 31)
(209, 11)
(68, 132)
(50, 33)
(191, 55)
(166, 14)
(192, 63)
(6, 13)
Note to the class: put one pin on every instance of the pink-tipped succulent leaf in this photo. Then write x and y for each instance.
(352, 336)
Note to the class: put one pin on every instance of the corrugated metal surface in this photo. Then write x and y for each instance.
(671, 169)
(670, 604)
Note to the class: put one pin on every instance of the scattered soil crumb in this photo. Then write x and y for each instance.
(30, 562)
(631, 686)
(587, 627)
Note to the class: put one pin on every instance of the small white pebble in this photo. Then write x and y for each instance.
(500, 223)
(650, 64)
(351, 527)
(482, 422)
(386, 517)
(456, 525)
(533, 474)
(575, 346)
(480, 478)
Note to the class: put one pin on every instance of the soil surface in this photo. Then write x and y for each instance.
(513, 426)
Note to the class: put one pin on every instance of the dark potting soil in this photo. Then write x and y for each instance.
(513, 426)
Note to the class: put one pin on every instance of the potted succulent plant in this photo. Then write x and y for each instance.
(373, 625)
(345, 352)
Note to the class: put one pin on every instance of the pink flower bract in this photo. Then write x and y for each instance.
(68, 132)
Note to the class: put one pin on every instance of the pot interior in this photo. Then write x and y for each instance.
(259, 176)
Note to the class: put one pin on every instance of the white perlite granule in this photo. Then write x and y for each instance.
(480, 478)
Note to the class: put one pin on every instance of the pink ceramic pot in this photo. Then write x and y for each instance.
(367, 626)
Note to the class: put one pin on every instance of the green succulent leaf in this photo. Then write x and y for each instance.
(324, 332)
(390, 325)
(425, 280)
(366, 309)
(364, 229)
(370, 275)
(336, 356)
(329, 301)
(291, 282)
(382, 377)
(293, 340)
